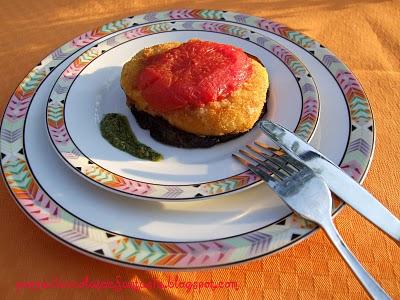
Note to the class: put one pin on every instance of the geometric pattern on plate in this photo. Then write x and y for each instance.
(49, 216)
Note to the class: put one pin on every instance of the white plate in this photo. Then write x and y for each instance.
(90, 87)
(208, 233)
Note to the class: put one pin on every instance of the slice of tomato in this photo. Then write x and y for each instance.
(193, 74)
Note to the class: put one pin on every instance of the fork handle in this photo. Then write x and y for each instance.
(370, 285)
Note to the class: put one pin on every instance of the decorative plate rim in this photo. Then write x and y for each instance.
(45, 212)
(79, 162)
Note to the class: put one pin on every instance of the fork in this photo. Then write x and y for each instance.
(308, 195)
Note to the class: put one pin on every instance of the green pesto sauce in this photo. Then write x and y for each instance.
(116, 130)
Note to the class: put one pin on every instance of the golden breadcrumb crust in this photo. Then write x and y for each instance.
(236, 113)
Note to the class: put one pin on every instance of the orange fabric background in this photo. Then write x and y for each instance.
(364, 34)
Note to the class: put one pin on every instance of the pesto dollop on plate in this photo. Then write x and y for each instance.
(116, 130)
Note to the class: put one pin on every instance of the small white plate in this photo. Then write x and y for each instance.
(90, 88)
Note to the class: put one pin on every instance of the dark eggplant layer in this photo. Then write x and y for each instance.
(167, 134)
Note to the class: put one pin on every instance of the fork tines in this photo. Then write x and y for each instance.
(279, 152)
(271, 163)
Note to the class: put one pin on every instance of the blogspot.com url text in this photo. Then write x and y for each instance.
(118, 284)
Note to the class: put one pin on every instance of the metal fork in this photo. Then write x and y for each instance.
(308, 195)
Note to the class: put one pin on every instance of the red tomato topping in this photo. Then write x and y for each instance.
(193, 74)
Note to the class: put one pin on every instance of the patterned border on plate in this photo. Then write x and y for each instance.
(82, 164)
(166, 255)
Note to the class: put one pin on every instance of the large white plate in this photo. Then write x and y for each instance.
(208, 233)
(90, 88)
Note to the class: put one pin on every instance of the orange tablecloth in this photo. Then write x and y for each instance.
(363, 34)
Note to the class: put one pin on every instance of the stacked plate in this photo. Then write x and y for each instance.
(78, 188)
